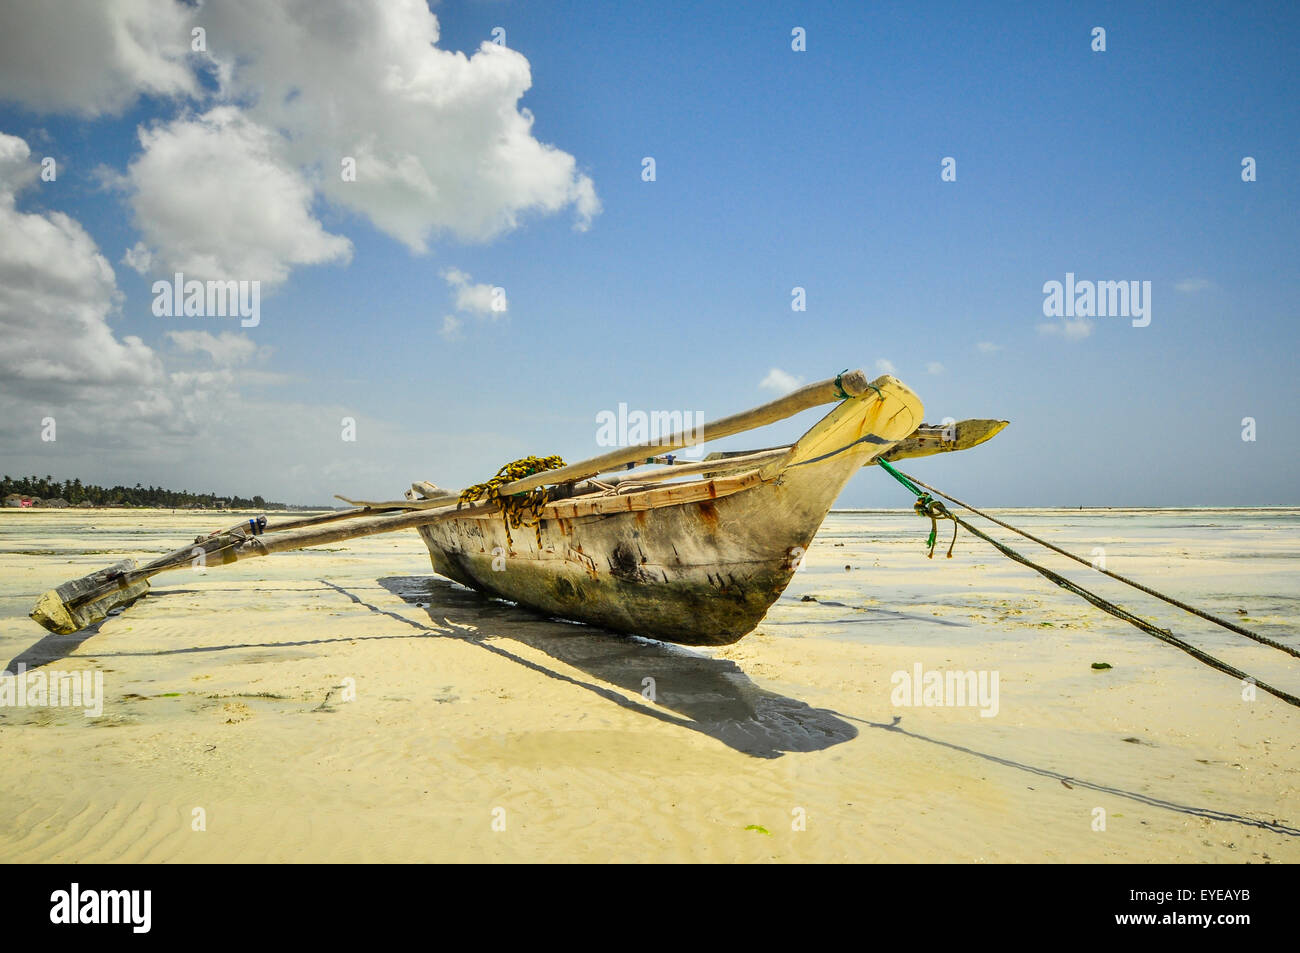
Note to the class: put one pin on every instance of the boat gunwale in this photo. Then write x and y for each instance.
(642, 499)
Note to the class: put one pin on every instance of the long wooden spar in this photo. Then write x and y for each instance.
(79, 603)
(848, 384)
(82, 602)
(928, 439)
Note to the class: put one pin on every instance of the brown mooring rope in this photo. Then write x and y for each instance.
(1261, 639)
(935, 509)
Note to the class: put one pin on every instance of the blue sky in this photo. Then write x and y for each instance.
(774, 169)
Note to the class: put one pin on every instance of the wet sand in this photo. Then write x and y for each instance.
(481, 732)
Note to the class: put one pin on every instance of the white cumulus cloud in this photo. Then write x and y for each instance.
(780, 381)
(1072, 329)
(476, 298)
(226, 348)
(56, 293)
(138, 258)
(93, 57)
(215, 198)
(123, 413)
(61, 357)
(439, 141)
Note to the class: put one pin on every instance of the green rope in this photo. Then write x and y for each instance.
(934, 509)
(839, 386)
(842, 394)
(884, 465)
(1230, 626)
(928, 506)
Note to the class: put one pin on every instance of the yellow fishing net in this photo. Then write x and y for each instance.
(516, 507)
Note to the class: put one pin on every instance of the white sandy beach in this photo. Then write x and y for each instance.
(227, 691)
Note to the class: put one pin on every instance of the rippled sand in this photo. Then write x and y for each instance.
(226, 692)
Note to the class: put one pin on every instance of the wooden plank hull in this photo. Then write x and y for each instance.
(699, 572)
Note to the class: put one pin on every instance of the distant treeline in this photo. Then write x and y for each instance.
(74, 491)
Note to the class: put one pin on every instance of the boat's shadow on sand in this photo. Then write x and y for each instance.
(52, 648)
(692, 691)
(711, 696)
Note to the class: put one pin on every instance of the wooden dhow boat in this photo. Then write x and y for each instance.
(634, 540)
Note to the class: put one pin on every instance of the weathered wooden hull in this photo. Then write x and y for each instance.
(701, 572)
